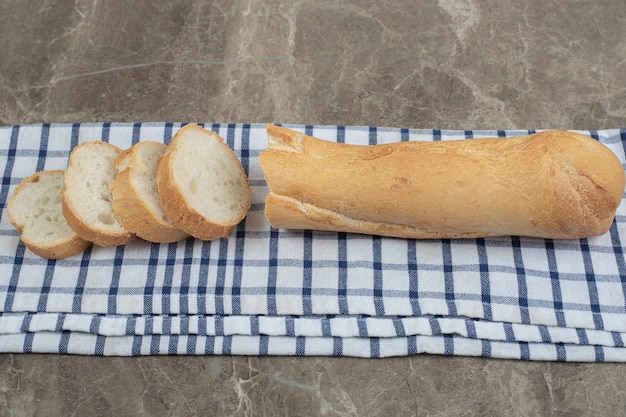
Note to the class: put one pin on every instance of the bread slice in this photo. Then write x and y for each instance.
(136, 200)
(202, 185)
(86, 195)
(35, 211)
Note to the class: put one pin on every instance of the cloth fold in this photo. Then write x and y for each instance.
(264, 291)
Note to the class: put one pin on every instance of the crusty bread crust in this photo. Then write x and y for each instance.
(176, 204)
(130, 205)
(85, 229)
(553, 184)
(71, 245)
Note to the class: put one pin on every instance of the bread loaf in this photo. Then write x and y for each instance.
(136, 200)
(86, 194)
(35, 211)
(553, 184)
(202, 184)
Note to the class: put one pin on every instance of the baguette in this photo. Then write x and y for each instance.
(553, 184)
(86, 194)
(202, 184)
(35, 211)
(136, 202)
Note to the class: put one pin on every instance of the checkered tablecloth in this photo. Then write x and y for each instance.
(275, 292)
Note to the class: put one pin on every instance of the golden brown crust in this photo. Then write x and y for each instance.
(551, 184)
(175, 203)
(131, 209)
(64, 249)
(84, 229)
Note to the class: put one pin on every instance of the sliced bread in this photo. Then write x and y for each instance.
(202, 184)
(86, 195)
(35, 211)
(136, 200)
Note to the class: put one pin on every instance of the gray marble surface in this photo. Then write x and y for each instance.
(449, 64)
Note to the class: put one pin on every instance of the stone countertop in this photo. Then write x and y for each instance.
(446, 64)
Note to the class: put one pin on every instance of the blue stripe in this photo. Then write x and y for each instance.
(244, 149)
(379, 301)
(599, 351)
(106, 132)
(290, 329)
(373, 136)
(307, 273)
(404, 135)
(374, 347)
(167, 133)
(155, 342)
(148, 291)
(342, 271)
(337, 346)
(43, 147)
(203, 281)
(221, 276)
(485, 348)
(77, 302)
(172, 347)
(435, 328)
(168, 278)
(398, 326)
(485, 287)
(15, 276)
(27, 347)
(362, 326)
(74, 135)
(556, 287)
(264, 345)
(412, 345)
(524, 351)
(300, 346)
(240, 241)
(136, 135)
(219, 325)
(115, 280)
(619, 254)
(446, 248)
(45, 288)
(8, 168)
(591, 285)
(131, 325)
(509, 334)
(64, 342)
(470, 327)
(209, 345)
(192, 340)
(561, 354)
(341, 134)
(254, 325)
(272, 272)
(227, 345)
(522, 289)
(185, 282)
(326, 327)
(448, 345)
(136, 347)
(412, 267)
(100, 343)
(545, 334)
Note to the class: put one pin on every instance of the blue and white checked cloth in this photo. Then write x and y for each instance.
(273, 292)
